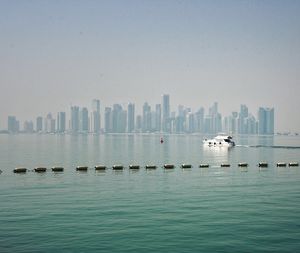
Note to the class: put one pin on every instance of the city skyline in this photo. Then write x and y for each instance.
(156, 118)
(56, 54)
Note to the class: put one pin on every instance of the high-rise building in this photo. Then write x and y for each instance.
(49, 124)
(242, 120)
(28, 127)
(166, 114)
(138, 123)
(74, 119)
(158, 117)
(108, 120)
(266, 121)
(96, 116)
(146, 117)
(39, 124)
(13, 125)
(61, 122)
(131, 118)
(84, 120)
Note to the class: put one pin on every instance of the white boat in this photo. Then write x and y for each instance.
(219, 141)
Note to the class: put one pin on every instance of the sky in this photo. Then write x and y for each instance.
(54, 54)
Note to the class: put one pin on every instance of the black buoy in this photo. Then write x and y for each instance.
(263, 164)
(281, 164)
(225, 165)
(40, 169)
(169, 166)
(204, 165)
(161, 140)
(100, 167)
(118, 167)
(151, 167)
(293, 164)
(186, 166)
(20, 170)
(243, 164)
(82, 168)
(57, 169)
(134, 167)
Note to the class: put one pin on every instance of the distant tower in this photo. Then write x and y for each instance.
(39, 124)
(61, 122)
(74, 119)
(108, 120)
(266, 121)
(13, 125)
(131, 118)
(158, 117)
(166, 114)
(84, 120)
(96, 116)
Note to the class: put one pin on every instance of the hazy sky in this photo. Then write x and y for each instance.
(57, 53)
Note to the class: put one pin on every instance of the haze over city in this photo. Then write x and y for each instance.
(55, 54)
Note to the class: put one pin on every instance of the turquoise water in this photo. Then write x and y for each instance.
(182, 210)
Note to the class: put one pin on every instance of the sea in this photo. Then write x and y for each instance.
(215, 209)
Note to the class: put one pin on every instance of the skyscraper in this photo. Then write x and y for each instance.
(13, 125)
(166, 114)
(84, 120)
(74, 119)
(108, 120)
(39, 124)
(266, 121)
(61, 122)
(96, 116)
(131, 118)
(158, 117)
(146, 117)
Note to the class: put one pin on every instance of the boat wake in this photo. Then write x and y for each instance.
(268, 146)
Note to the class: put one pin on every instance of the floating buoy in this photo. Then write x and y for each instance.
(40, 169)
(150, 167)
(57, 169)
(293, 164)
(100, 167)
(225, 165)
(118, 167)
(134, 167)
(169, 166)
(263, 165)
(281, 164)
(161, 140)
(243, 164)
(186, 166)
(20, 170)
(82, 168)
(204, 165)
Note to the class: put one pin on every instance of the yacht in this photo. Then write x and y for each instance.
(219, 141)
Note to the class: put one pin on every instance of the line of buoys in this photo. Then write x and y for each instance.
(263, 164)
(40, 169)
(57, 169)
(204, 165)
(100, 167)
(186, 166)
(150, 166)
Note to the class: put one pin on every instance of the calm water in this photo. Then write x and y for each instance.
(194, 210)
